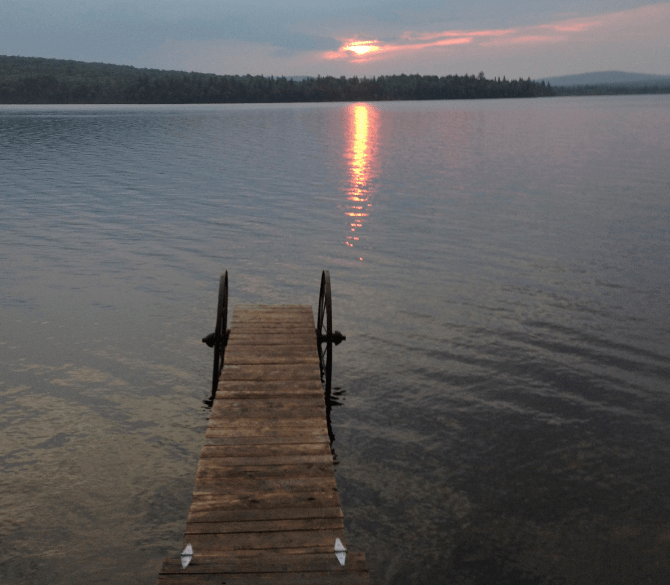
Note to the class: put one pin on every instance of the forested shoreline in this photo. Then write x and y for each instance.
(31, 80)
(612, 89)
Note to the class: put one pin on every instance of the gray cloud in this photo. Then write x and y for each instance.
(120, 31)
(120, 37)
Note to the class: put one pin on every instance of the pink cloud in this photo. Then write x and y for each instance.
(416, 36)
(584, 31)
(631, 40)
(533, 39)
(351, 49)
(572, 27)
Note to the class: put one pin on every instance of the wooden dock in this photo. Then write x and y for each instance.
(265, 505)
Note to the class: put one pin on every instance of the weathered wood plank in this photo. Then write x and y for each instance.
(242, 316)
(261, 425)
(247, 313)
(267, 451)
(250, 422)
(208, 501)
(261, 315)
(251, 312)
(223, 412)
(272, 339)
(309, 483)
(253, 487)
(249, 553)
(272, 403)
(298, 578)
(306, 578)
(260, 393)
(267, 563)
(299, 337)
(312, 539)
(209, 512)
(276, 461)
(274, 321)
(301, 332)
(213, 469)
(305, 333)
(212, 439)
(261, 358)
(272, 351)
(273, 388)
(302, 434)
(223, 415)
(287, 308)
(264, 526)
(269, 372)
(258, 358)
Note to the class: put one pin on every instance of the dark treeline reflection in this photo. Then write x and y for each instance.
(25, 80)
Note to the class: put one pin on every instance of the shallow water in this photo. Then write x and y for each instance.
(497, 267)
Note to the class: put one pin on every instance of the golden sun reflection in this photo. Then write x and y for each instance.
(361, 156)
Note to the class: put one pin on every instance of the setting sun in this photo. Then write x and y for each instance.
(361, 49)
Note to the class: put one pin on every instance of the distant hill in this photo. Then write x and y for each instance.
(12, 68)
(608, 78)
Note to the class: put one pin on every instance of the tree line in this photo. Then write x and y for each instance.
(28, 80)
(613, 89)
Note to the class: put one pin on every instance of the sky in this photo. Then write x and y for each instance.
(514, 38)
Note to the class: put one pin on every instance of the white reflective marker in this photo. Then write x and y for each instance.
(340, 551)
(186, 556)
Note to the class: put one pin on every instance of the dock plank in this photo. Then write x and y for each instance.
(283, 578)
(265, 526)
(253, 487)
(215, 469)
(268, 563)
(268, 451)
(269, 388)
(275, 399)
(212, 439)
(260, 501)
(269, 372)
(209, 512)
(223, 411)
(321, 540)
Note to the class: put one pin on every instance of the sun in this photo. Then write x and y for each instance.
(361, 48)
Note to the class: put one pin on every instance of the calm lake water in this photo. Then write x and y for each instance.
(500, 269)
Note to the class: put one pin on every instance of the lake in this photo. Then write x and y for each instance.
(500, 270)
